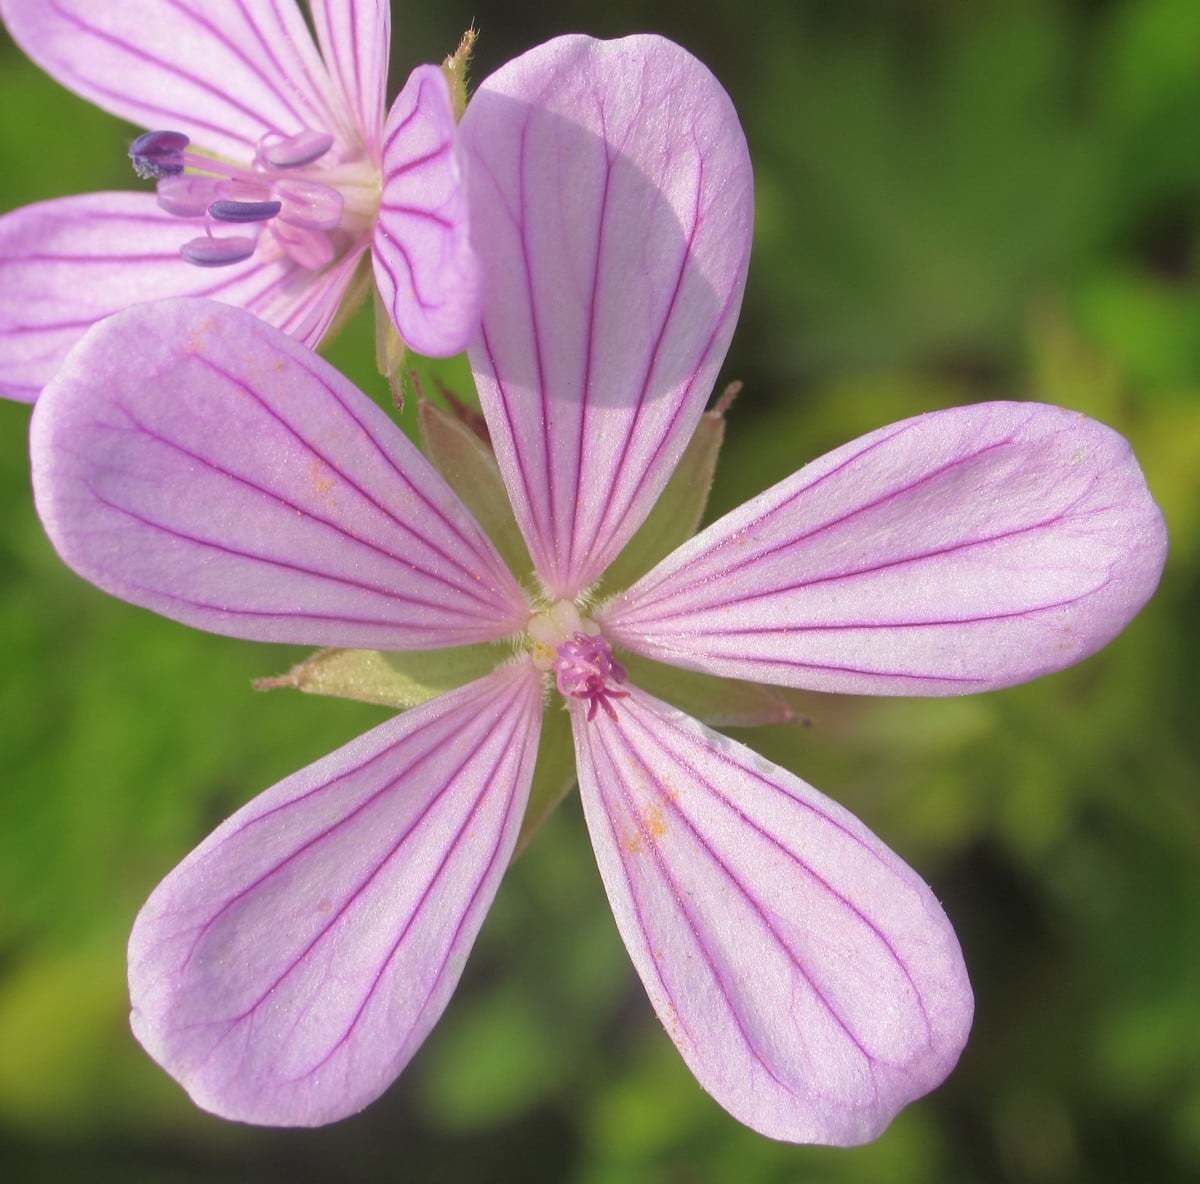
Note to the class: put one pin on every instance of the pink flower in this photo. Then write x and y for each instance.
(298, 176)
(197, 462)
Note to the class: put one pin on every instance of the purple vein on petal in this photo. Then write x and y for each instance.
(588, 737)
(647, 586)
(358, 890)
(218, 34)
(651, 365)
(472, 592)
(396, 131)
(402, 251)
(272, 561)
(805, 536)
(308, 513)
(534, 541)
(535, 328)
(318, 85)
(483, 721)
(356, 68)
(411, 920)
(887, 565)
(289, 615)
(58, 257)
(136, 52)
(793, 856)
(50, 327)
(834, 668)
(419, 212)
(825, 627)
(585, 384)
(476, 544)
(419, 161)
(691, 924)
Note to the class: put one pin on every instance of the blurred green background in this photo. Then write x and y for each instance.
(957, 201)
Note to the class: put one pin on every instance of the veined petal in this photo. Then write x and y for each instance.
(426, 269)
(193, 460)
(809, 977)
(224, 74)
(612, 206)
(959, 551)
(67, 263)
(355, 38)
(310, 318)
(291, 966)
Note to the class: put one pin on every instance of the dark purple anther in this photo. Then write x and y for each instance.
(217, 252)
(158, 154)
(244, 211)
(293, 151)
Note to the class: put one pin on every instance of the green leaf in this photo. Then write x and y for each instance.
(395, 679)
(496, 1058)
(1067, 368)
(69, 1066)
(678, 511)
(471, 471)
(718, 702)
(554, 774)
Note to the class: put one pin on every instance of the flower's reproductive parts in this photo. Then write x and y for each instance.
(574, 649)
(284, 181)
(303, 196)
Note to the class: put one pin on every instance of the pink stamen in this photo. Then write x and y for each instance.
(209, 166)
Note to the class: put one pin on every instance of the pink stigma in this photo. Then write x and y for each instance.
(585, 669)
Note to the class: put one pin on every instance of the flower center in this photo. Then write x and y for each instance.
(296, 200)
(582, 661)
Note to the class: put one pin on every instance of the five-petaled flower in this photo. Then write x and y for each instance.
(197, 462)
(300, 176)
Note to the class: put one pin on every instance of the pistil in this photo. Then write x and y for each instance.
(573, 648)
(584, 668)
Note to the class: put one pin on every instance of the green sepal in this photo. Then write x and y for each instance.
(390, 350)
(678, 511)
(400, 679)
(554, 775)
(471, 471)
(457, 67)
(718, 702)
